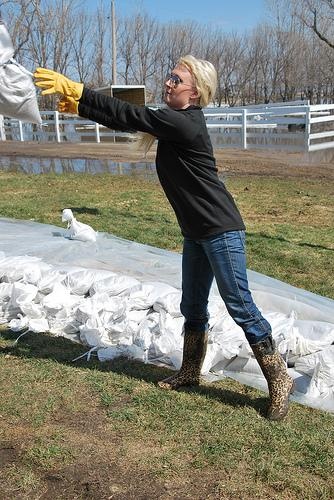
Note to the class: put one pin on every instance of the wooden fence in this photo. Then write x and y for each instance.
(294, 126)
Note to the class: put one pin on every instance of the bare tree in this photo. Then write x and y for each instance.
(317, 15)
(50, 38)
(125, 43)
(230, 60)
(140, 35)
(180, 39)
(82, 47)
(20, 15)
(141, 39)
(102, 63)
(261, 50)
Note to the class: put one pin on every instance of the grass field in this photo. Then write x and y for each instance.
(100, 431)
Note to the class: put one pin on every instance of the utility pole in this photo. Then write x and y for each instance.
(113, 43)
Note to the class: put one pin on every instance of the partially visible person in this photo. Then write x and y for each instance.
(212, 227)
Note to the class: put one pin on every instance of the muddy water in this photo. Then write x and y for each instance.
(27, 165)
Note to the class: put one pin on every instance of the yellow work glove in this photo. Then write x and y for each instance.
(55, 83)
(68, 105)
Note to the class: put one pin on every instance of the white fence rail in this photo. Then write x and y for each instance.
(293, 126)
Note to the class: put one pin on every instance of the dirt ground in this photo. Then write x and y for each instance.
(233, 161)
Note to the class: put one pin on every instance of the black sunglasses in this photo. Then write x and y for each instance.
(176, 80)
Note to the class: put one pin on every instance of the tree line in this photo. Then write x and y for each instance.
(288, 57)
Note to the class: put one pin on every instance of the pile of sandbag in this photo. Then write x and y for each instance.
(116, 315)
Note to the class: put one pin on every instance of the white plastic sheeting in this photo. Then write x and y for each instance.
(122, 298)
(17, 90)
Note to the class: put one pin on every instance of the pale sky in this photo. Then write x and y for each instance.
(229, 15)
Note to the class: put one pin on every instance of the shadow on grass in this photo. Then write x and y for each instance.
(85, 210)
(62, 350)
(284, 240)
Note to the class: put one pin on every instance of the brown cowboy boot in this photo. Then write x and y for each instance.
(194, 350)
(280, 384)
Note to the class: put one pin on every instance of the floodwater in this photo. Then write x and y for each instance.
(29, 165)
(26, 165)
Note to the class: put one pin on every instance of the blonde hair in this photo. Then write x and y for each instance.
(205, 80)
(205, 76)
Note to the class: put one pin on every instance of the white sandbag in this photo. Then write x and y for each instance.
(214, 359)
(34, 272)
(171, 327)
(5, 291)
(93, 334)
(17, 91)
(216, 309)
(134, 319)
(60, 298)
(148, 294)
(118, 331)
(18, 324)
(8, 312)
(32, 310)
(228, 336)
(50, 279)
(20, 267)
(90, 307)
(298, 345)
(77, 230)
(115, 285)
(322, 382)
(25, 268)
(142, 339)
(307, 364)
(22, 293)
(113, 309)
(167, 336)
(247, 365)
(110, 353)
(38, 325)
(63, 323)
(170, 303)
(117, 327)
(6, 46)
(80, 281)
(114, 352)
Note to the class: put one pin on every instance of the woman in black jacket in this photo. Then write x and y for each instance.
(213, 230)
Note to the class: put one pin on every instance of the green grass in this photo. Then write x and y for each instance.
(104, 430)
(55, 412)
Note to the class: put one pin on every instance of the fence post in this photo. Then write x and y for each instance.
(56, 114)
(21, 131)
(97, 132)
(2, 129)
(307, 128)
(244, 129)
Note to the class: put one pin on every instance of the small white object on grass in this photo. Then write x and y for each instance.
(77, 230)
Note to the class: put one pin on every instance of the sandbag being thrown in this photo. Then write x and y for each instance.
(17, 91)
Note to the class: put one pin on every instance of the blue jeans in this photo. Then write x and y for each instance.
(221, 256)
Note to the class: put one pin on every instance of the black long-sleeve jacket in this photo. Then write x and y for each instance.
(185, 163)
